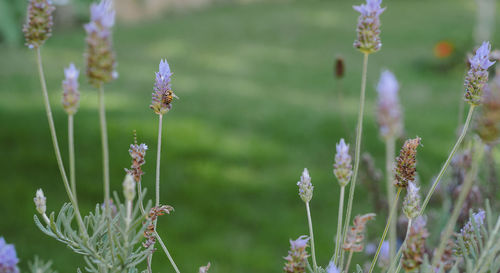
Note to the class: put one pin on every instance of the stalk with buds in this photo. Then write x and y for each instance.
(306, 193)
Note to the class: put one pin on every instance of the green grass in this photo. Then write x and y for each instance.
(257, 105)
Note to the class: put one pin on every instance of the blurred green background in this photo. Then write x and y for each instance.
(258, 103)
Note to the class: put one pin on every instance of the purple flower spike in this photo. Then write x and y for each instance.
(8, 258)
(163, 95)
(477, 77)
(71, 95)
(103, 14)
(388, 110)
(101, 63)
(368, 28)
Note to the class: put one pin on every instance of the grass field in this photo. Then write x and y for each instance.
(257, 104)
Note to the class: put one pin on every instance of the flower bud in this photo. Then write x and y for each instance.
(204, 269)
(71, 95)
(40, 201)
(477, 76)
(411, 204)
(342, 169)
(305, 186)
(368, 28)
(129, 187)
(355, 236)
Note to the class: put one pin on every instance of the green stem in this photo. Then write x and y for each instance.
(311, 235)
(389, 166)
(391, 214)
(359, 133)
(339, 225)
(71, 149)
(466, 186)
(348, 261)
(448, 160)
(55, 144)
(105, 162)
(141, 204)
(167, 253)
(158, 157)
(403, 246)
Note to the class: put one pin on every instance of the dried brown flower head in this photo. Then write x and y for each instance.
(150, 230)
(356, 234)
(406, 162)
(137, 152)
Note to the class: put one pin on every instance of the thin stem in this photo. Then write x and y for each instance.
(158, 157)
(311, 235)
(128, 219)
(105, 161)
(391, 214)
(389, 166)
(104, 142)
(359, 133)
(141, 204)
(467, 185)
(166, 252)
(348, 262)
(55, 144)
(339, 225)
(71, 149)
(448, 160)
(403, 246)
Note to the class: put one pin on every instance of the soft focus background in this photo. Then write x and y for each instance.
(258, 103)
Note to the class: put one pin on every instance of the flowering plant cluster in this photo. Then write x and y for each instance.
(476, 247)
(120, 235)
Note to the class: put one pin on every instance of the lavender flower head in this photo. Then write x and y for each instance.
(163, 95)
(331, 268)
(99, 55)
(71, 95)
(137, 153)
(470, 230)
(342, 169)
(296, 261)
(368, 28)
(477, 77)
(411, 204)
(305, 186)
(8, 258)
(38, 26)
(40, 201)
(389, 111)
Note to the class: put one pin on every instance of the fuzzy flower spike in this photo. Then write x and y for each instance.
(38, 26)
(342, 169)
(477, 77)
(296, 261)
(100, 57)
(8, 257)
(163, 95)
(389, 111)
(406, 163)
(368, 28)
(305, 186)
(411, 204)
(71, 95)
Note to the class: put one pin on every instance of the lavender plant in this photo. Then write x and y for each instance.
(401, 176)
(120, 235)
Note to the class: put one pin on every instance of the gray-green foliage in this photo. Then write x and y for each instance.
(120, 253)
(39, 266)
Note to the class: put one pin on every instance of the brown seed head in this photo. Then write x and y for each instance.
(406, 162)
